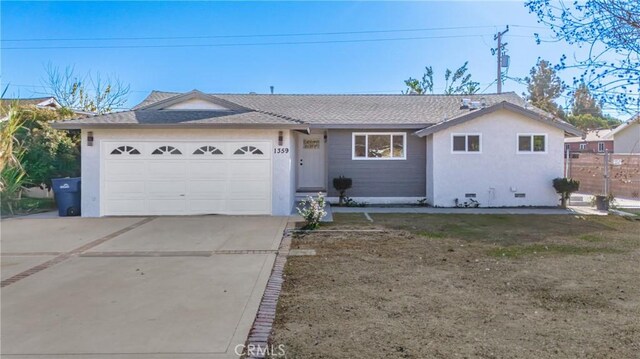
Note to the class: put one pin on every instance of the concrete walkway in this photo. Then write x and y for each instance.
(581, 199)
(432, 210)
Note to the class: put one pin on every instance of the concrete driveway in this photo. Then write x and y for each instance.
(165, 287)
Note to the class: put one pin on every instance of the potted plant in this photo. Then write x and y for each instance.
(603, 202)
(565, 187)
(342, 184)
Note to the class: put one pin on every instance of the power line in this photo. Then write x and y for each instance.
(237, 44)
(248, 36)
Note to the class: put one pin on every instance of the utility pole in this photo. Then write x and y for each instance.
(499, 51)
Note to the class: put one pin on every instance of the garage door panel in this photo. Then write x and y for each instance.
(208, 170)
(124, 207)
(166, 189)
(121, 170)
(178, 184)
(249, 188)
(249, 150)
(208, 189)
(166, 169)
(167, 206)
(125, 189)
(250, 169)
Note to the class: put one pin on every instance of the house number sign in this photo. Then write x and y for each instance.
(281, 150)
(311, 144)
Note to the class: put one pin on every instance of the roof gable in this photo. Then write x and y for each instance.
(192, 100)
(623, 127)
(504, 105)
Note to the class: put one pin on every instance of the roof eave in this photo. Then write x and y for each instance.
(373, 126)
(81, 126)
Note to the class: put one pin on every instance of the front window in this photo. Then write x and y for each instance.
(389, 146)
(532, 143)
(465, 143)
(600, 146)
(583, 146)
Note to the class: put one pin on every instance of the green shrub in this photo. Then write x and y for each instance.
(565, 187)
(342, 184)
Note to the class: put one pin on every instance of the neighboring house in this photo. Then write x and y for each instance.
(595, 141)
(197, 153)
(40, 102)
(626, 137)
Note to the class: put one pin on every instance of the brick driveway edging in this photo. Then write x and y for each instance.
(257, 343)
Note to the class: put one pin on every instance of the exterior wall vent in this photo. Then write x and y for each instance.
(470, 195)
(520, 195)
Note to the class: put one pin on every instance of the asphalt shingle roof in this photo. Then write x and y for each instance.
(355, 109)
(178, 117)
(311, 110)
(594, 135)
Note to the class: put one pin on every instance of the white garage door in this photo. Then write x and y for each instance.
(179, 178)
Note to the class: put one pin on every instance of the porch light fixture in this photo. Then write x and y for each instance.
(90, 138)
(280, 138)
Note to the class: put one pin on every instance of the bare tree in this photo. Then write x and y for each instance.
(93, 93)
(456, 82)
(610, 29)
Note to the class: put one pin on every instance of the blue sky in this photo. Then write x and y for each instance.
(347, 67)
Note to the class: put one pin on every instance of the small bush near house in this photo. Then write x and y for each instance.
(342, 184)
(565, 187)
(312, 210)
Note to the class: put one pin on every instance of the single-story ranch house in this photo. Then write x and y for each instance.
(197, 153)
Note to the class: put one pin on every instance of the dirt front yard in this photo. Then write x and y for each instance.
(448, 286)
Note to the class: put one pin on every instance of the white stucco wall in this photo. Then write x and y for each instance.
(282, 194)
(498, 166)
(628, 139)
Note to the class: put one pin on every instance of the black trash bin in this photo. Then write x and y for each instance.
(67, 195)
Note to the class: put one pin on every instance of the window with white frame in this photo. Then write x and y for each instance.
(600, 146)
(532, 143)
(465, 142)
(567, 147)
(583, 146)
(379, 146)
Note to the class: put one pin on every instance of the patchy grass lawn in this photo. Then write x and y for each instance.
(443, 286)
(635, 211)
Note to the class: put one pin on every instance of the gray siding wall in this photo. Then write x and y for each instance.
(430, 176)
(377, 178)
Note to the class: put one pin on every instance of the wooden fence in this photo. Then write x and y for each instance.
(591, 169)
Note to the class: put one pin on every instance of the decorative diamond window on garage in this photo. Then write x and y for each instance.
(207, 150)
(166, 150)
(248, 150)
(128, 150)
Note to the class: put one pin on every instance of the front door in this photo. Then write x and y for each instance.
(311, 162)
